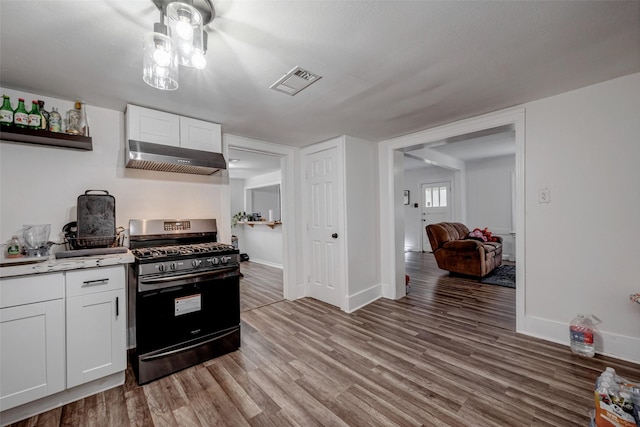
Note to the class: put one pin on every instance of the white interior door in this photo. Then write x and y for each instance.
(436, 207)
(325, 245)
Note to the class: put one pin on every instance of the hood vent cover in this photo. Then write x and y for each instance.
(157, 157)
(294, 81)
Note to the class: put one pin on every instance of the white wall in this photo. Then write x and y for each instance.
(581, 250)
(489, 198)
(41, 184)
(413, 178)
(262, 243)
(361, 190)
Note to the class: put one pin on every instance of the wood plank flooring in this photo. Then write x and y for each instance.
(260, 285)
(445, 355)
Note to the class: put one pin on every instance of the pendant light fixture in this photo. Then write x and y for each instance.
(160, 63)
(183, 41)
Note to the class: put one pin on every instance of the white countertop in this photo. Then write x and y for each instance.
(39, 265)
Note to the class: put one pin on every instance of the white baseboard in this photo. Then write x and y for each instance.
(263, 262)
(362, 298)
(39, 406)
(607, 343)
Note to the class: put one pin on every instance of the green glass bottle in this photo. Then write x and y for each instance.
(6, 112)
(44, 114)
(34, 116)
(21, 115)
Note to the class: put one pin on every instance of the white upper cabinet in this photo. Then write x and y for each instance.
(200, 135)
(159, 127)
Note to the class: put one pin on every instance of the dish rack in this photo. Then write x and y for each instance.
(74, 242)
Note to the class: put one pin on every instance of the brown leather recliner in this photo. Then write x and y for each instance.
(457, 253)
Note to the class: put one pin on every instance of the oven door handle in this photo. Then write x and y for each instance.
(166, 279)
(181, 349)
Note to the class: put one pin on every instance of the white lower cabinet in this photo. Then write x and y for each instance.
(59, 331)
(32, 325)
(96, 324)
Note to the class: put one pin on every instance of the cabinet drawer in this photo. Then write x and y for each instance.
(30, 289)
(102, 279)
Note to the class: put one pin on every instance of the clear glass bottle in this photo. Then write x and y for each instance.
(55, 120)
(6, 112)
(84, 122)
(21, 115)
(73, 120)
(44, 121)
(34, 116)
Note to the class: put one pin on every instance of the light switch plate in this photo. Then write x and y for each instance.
(544, 195)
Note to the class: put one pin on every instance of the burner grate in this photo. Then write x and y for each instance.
(182, 250)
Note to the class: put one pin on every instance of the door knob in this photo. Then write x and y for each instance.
(334, 235)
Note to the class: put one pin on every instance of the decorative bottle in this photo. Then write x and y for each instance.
(6, 112)
(34, 116)
(44, 121)
(84, 122)
(55, 120)
(73, 120)
(21, 115)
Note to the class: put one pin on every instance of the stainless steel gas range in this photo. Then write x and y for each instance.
(184, 294)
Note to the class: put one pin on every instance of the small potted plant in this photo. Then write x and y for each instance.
(238, 217)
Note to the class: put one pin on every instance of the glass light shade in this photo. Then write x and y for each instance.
(198, 60)
(160, 63)
(186, 29)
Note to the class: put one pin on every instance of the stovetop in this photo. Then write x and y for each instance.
(183, 251)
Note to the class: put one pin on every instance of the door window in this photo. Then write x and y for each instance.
(435, 197)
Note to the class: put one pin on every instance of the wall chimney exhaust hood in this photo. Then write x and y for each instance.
(165, 158)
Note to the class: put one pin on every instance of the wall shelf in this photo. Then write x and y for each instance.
(267, 223)
(43, 137)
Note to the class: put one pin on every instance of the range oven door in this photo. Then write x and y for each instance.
(186, 319)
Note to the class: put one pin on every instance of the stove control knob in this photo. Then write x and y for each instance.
(196, 263)
(215, 261)
(226, 259)
(161, 267)
(172, 266)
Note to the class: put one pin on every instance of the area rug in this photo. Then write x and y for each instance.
(505, 275)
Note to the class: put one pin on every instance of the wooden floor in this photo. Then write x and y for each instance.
(445, 355)
(261, 285)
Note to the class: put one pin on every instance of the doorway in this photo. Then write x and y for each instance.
(435, 207)
(391, 183)
(285, 178)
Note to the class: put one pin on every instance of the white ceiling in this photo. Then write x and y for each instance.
(248, 164)
(482, 145)
(388, 68)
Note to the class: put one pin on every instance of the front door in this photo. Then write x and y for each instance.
(436, 207)
(324, 243)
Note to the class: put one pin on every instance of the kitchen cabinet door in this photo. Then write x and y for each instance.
(95, 336)
(32, 362)
(200, 135)
(158, 127)
(96, 324)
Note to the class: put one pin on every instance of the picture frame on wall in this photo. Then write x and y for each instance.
(406, 197)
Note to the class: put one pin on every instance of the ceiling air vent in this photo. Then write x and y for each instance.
(294, 81)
